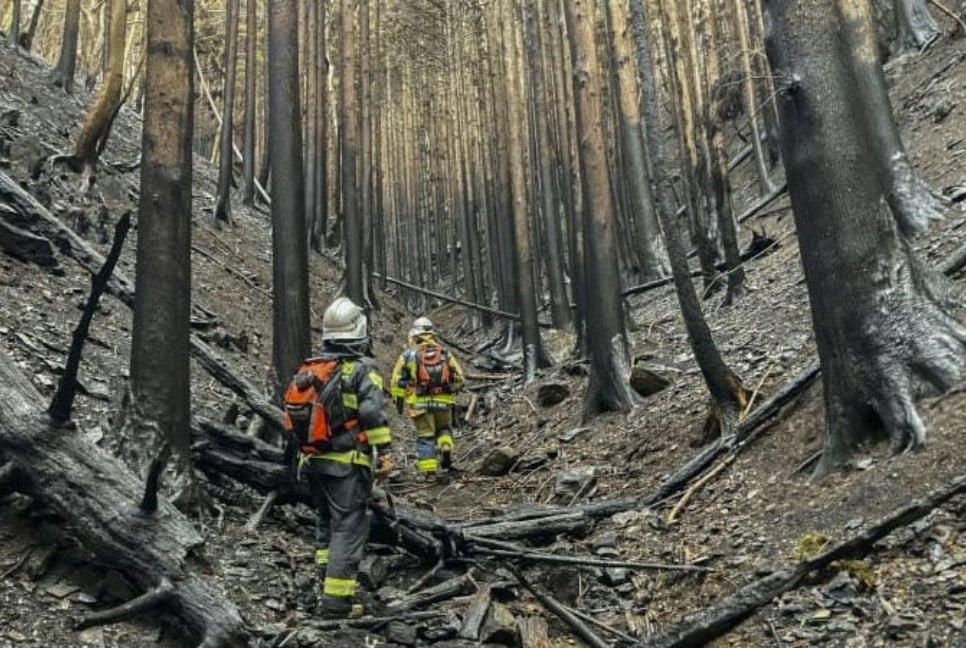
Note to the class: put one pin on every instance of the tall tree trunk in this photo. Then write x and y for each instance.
(534, 357)
(650, 246)
(741, 26)
(97, 124)
(265, 165)
(365, 152)
(560, 314)
(251, 73)
(719, 182)
(62, 76)
(608, 387)
(160, 382)
(727, 392)
(914, 205)
(884, 329)
(27, 38)
(320, 215)
(13, 34)
(350, 126)
(226, 162)
(290, 303)
(311, 108)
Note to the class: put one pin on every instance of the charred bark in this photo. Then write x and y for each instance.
(884, 331)
(92, 492)
(248, 139)
(225, 162)
(915, 26)
(290, 306)
(606, 340)
(62, 76)
(160, 372)
(63, 401)
(914, 205)
(727, 392)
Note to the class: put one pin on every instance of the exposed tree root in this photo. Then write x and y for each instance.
(137, 606)
(914, 204)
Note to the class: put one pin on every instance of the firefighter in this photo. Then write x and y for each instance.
(425, 380)
(340, 472)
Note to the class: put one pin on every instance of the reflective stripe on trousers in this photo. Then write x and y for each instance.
(343, 527)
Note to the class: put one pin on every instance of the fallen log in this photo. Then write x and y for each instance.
(217, 448)
(712, 622)
(475, 615)
(582, 630)
(548, 526)
(509, 550)
(93, 493)
(736, 440)
(33, 216)
(443, 591)
(27, 247)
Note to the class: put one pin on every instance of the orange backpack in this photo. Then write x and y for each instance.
(314, 413)
(432, 370)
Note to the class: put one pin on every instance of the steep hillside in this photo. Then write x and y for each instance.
(745, 522)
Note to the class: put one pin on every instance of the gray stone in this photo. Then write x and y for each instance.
(646, 382)
(400, 633)
(614, 576)
(578, 480)
(606, 539)
(500, 626)
(499, 461)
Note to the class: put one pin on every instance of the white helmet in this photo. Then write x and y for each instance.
(344, 321)
(421, 325)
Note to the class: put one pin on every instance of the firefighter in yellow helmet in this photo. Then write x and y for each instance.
(340, 470)
(425, 381)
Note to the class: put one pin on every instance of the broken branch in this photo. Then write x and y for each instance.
(705, 625)
(63, 401)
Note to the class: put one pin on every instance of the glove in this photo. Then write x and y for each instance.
(400, 404)
(383, 468)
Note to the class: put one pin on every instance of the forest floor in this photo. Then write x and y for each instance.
(744, 523)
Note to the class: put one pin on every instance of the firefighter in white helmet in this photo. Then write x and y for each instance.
(425, 380)
(340, 469)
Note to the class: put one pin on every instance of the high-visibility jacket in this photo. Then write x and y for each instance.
(363, 400)
(403, 382)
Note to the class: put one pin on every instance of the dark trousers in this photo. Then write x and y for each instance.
(342, 529)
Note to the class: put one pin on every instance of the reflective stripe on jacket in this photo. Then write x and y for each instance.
(403, 382)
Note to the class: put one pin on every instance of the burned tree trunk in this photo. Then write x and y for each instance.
(92, 492)
(609, 387)
(884, 329)
(290, 281)
(914, 205)
(62, 76)
(225, 163)
(97, 124)
(727, 392)
(915, 26)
